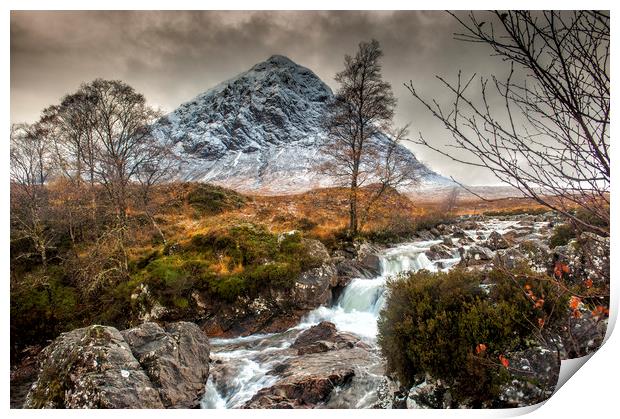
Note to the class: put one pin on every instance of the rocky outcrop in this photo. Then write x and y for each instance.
(439, 251)
(308, 381)
(475, 255)
(176, 359)
(275, 309)
(586, 257)
(361, 261)
(324, 337)
(145, 367)
(91, 367)
(430, 394)
(534, 375)
(496, 241)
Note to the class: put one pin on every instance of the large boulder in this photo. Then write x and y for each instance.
(92, 367)
(477, 254)
(439, 251)
(176, 359)
(324, 337)
(308, 381)
(145, 367)
(496, 241)
(313, 287)
(363, 262)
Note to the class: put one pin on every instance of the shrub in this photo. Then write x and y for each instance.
(433, 322)
(562, 234)
(42, 306)
(306, 224)
(209, 199)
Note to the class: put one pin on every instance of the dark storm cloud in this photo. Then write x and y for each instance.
(173, 56)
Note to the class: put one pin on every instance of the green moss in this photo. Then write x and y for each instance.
(43, 306)
(243, 260)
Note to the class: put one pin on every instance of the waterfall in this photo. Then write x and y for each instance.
(244, 364)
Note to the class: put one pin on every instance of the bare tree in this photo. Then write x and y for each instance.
(118, 119)
(158, 166)
(549, 136)
(30, 168)
(358, 117)
(450, 201)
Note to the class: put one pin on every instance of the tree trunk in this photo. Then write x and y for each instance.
(353, 207)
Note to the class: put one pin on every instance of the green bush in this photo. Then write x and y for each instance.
(562, 234)
(432, 323)
(209, 199)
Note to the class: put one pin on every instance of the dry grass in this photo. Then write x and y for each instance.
(320, 213)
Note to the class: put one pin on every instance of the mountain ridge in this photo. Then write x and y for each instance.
(261, 131)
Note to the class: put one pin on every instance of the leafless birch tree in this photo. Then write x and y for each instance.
(360, 114)
(549, 135)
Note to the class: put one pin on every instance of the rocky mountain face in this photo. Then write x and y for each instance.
(261, 131)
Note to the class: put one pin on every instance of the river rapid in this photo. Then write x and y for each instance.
(242, 366)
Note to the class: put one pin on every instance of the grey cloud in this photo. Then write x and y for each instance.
(173, 56)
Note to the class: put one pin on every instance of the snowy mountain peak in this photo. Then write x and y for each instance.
(259, 131)
(278, 60)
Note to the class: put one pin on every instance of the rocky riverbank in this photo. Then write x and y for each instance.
(314, 345)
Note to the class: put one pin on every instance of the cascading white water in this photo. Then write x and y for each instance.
(249, 360)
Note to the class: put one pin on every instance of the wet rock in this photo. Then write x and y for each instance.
(458, 233)
(368, 256)
(92, 367)
(390, 395)
(176, 359)
(447, 241)
(430, 394)
(308, 381)
(515, 235)
(442, 228)
(465, 241)
(478, 253)
(366, 263)
(496, 241)
(469, 225)
(323, 337)
(313, 287)
(425, 235)
(439, 251)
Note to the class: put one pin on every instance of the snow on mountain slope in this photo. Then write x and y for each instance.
(260, 131)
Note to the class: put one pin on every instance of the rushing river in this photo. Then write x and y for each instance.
(241, 365)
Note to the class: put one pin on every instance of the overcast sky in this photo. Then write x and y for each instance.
(171, 57)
